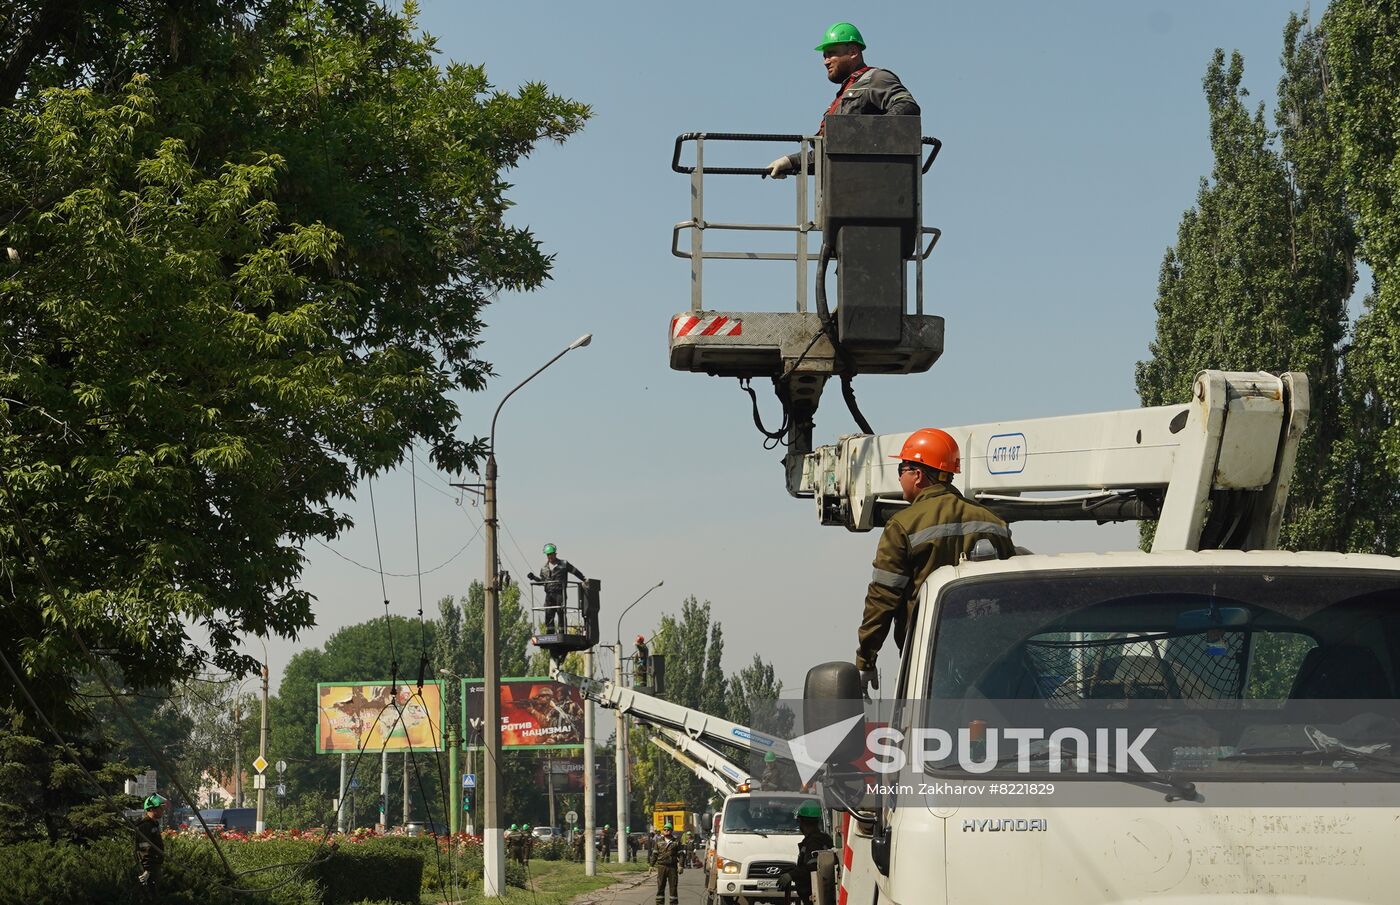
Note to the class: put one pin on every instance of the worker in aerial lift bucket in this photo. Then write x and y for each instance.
(554, 575)
(864, 89)
(938, 528)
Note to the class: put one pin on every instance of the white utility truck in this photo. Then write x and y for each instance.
(756, 835)
(1262, 685)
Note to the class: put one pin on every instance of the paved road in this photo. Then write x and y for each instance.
(692, 891)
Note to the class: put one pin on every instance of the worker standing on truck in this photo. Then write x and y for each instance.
(814, 839)
(864, 89)
(554, 575)
(938, 528)
(668, 859)
(150, 845)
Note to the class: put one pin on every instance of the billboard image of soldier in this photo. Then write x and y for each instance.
(535, 713)
(378, 716)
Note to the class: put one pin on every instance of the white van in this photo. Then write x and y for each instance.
(755, 845)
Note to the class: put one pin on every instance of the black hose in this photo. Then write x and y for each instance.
(848, 370)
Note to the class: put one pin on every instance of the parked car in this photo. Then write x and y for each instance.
(430, 827)
(545, 833)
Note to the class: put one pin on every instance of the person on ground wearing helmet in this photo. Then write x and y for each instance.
(938, 528)
(669, 860)
(814, 840)
(554, 575)
(150, 845)
(863, 89)
(641, 671)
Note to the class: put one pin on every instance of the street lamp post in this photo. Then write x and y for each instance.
(493, 873)
(262, 742)
(624, 791)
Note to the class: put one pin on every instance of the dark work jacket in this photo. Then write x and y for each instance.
(554, 575)
(807, 861)
(666, 853)
(875, 92)
(150, 845)
(939, 528)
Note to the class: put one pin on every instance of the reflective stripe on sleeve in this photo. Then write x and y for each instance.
(957, 529)
(890, 579)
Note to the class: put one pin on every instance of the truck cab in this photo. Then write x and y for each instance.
(755, 845)
(1263, 686)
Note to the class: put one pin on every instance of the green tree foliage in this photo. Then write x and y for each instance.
(252, 244)
(1363, 57)
(55, 792)
(693, 645)
(1260, 276)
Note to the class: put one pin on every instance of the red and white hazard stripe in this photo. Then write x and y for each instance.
(713, 325)
(846, 854)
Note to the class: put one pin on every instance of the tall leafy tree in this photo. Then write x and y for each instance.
(1363, 61)
(248, 249)
(693, 644)
(1262, 268)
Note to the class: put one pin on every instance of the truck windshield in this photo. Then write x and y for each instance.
(1238, 672)
(762, 814)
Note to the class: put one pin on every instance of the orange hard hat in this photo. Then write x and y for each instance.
(640, 639)
(932, 447)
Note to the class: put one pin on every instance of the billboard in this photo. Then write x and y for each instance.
(351, 716)
(535, 713)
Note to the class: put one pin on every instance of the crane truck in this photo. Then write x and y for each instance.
(755, 837)
(1262, 684)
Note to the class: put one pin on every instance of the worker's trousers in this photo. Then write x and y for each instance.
(667, 874)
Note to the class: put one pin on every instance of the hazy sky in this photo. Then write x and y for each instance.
(1074, 137)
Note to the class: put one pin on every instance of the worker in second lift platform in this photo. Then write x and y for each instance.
(554, 575)
(864, 89)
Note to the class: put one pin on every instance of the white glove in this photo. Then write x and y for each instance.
(869, 679)
(780, 168)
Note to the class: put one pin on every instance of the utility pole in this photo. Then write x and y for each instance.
(384, 791)
(454, 784)
(237, 754)
(590, 794)
(623, 819)
(344, 789)
(262, 747)
(405, 790)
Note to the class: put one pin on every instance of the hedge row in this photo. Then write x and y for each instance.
(269, 872)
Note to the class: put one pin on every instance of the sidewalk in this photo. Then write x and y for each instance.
(641, 890)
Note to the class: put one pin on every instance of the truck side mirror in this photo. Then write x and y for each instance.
(832, 694)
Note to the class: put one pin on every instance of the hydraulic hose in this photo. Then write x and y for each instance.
(829, 325)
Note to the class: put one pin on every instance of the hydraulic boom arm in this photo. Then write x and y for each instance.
(718, 782)
(1214, 472)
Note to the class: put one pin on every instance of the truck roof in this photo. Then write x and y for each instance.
(1136, 559)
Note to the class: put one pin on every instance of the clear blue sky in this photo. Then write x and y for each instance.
(1074, 137)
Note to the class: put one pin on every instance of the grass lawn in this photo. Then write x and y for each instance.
(554, 883)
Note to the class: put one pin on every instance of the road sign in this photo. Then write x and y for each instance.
(571, 818)
(281, 789)
(259, 781)
(354, 783)
(260, 764)
(469, 781)
(281, 767)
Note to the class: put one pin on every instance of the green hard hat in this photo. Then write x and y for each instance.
(550, 548)
(841, 33)
(769, 757)
(809, 809)
(514, 827)
(668, 826)
(153, 801)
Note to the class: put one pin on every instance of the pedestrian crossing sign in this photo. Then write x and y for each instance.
(469, 781)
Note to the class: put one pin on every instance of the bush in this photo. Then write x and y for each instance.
(554, 850)
(37, 873)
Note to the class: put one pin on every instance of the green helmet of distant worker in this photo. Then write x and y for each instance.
(842, 33)
(514, 827)
(527, 827)
(667, 827)
(769, 757)
(153, 801)
(550, 549)
(809, 809)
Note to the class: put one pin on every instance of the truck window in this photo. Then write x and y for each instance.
(1218, 661)
(762, 814)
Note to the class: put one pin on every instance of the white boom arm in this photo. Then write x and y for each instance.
(1230, 450)
(687, 721)
(706, 756)
(717, 782)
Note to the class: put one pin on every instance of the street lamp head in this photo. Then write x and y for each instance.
(582, 341)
